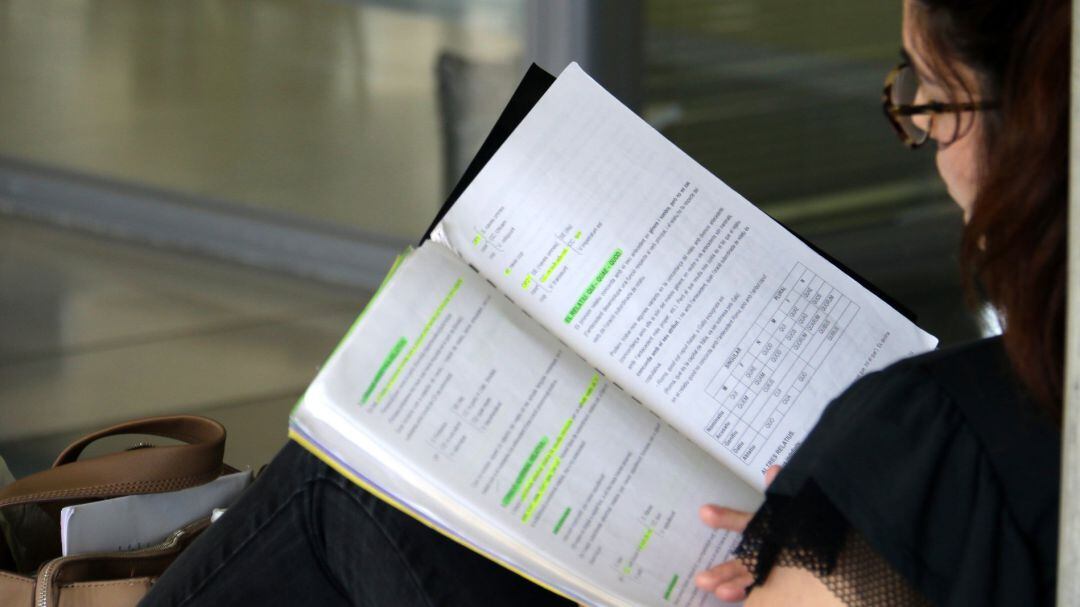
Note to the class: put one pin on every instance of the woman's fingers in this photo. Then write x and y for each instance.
(734, 590)
(770, 474)
(708, 579)
(728, 581)
(719, 517)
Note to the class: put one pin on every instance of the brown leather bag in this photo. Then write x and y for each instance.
(107, 578)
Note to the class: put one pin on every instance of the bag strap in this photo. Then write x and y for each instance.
(142, 470)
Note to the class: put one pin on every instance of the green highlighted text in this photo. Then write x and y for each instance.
(671, 586)
(588, 391)
(562, 519)
(419, 340)
(524, 471)
(600, 276)
(555, 264)
(644, 540)
(541, 491)
(398, 347)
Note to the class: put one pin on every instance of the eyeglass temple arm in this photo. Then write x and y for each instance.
(940, 108)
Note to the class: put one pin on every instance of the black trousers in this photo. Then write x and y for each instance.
(302, 534)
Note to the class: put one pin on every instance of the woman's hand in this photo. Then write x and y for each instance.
(729, 580)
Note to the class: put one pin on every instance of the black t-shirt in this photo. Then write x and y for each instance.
(940, 465)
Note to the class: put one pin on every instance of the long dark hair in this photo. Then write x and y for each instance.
(1014, 244)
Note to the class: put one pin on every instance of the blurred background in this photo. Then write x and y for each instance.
(197, 198)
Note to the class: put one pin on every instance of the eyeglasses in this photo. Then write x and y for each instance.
(898, 100)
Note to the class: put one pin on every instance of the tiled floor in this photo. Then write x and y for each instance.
(96, 332)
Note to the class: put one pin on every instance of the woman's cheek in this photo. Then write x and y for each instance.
(957, 165)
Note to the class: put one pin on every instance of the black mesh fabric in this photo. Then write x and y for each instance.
(807, 532)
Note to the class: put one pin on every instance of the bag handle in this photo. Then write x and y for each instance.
(149, 470)
(191, 429)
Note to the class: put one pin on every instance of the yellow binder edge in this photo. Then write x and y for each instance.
(344, 471)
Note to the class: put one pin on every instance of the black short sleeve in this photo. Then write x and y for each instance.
(940, 465)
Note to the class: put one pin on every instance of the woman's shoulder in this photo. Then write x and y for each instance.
(964, 390)
(945, 467)
(963, 393)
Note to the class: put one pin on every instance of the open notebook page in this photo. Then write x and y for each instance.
(668, 281)
(489, 426)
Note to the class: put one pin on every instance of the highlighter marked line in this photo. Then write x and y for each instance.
(524, 471)
(420, 340)
(589, 391)
(535, 476)
(671, 586)
(370, 304)
(587, 293)
(562, 519)
(541, 491)
(547, 457)
(555, 264)
(645, 540)
(389, 360)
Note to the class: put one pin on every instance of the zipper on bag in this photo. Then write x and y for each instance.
(48, 572)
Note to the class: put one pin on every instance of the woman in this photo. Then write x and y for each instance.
(936, 480)
(932, 481)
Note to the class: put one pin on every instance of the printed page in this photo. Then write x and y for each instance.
(133, 522)
(503, 437)
(673, 285)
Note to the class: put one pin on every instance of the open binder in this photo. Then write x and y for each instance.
(595, 337)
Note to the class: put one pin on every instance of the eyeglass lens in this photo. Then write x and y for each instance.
(904, 90)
